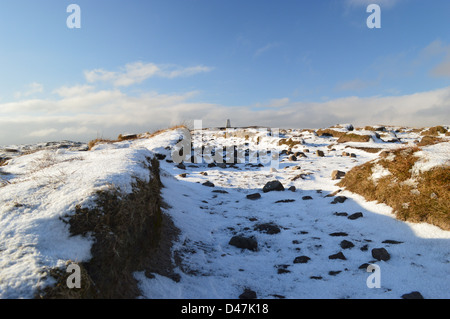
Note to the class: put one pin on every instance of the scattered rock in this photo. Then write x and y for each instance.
(254, 196)
(339, 199)
(316, 277)
(248, 294)
(220, 191)
(292, 188)
(320, 153)
(337, 174)
(338, 234)
(364, 248)
(307, 198)
(183, 175)
(334, 273)
(390, 241)
(301, 260)
(181, 166)
(285, 201)
(273, 186)
(292, 158)
(345, 244)
(339, 255)
(380, 254)
(268, 228)
(208, 183)
(364, 266)
(160, 156)
(282, 269)
(355, 216)
(249, 243)
(204, 173)
(340, 214)
(413, 295)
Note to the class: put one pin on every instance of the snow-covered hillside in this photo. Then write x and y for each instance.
(306, 241)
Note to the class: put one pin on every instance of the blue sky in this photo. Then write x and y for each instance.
(140, 65)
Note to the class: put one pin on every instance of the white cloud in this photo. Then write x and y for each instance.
(137, 72)
(32, 89)
(439, 52)
(110, 112)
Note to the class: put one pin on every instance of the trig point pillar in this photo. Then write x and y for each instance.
(228, 124)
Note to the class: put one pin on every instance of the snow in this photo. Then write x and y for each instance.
(43, 187)
(432, 156)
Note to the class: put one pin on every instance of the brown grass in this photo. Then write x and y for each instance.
(330, 132)
(126, 228)
(429, 140)
(426, 201)
(289, 142)
(350, 137)
(434, 131)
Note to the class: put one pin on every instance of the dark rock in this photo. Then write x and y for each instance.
(285, 201)
(220, 191)
(181, 166)
(268, 228)
(211, 165)
(316, 277)
(364, 266)
(307, 198)
(301, 260)
(394, 242)
(282, 269)
(320, 153)
(248, 294)
(337, 174)
(345, 244)
(355, 216)
(413, 295)
(160, 156)
(340, 214)
(339, 255)
(292, 158)
(364, 248)
(254, 196)
(208, 183)
(334, 273)
(338, 234)
(183, 175)
(249, 243)
(273, 186)
(339, 199)
(380, 254)
(292, 188)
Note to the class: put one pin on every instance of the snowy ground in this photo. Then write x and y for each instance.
(33, 199)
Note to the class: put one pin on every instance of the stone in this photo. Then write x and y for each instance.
(339, 199)
(239, 241)
(292, 158)
(208, 183)
(380, 254)
(292, 188)
(336, 174)
(301, 260)
(183, 175)
(345, 244)
(320, 153)
(285, 201)
(268, 228)
(254, 196)
(341, 214)
(248, 294)
(338, 234)
(307, 198)
(339, 255)
(355, 216)
(393, 242)
(413, 295)
(181, 166)
(273, 186)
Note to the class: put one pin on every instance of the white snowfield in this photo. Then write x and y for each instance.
(300, 259)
